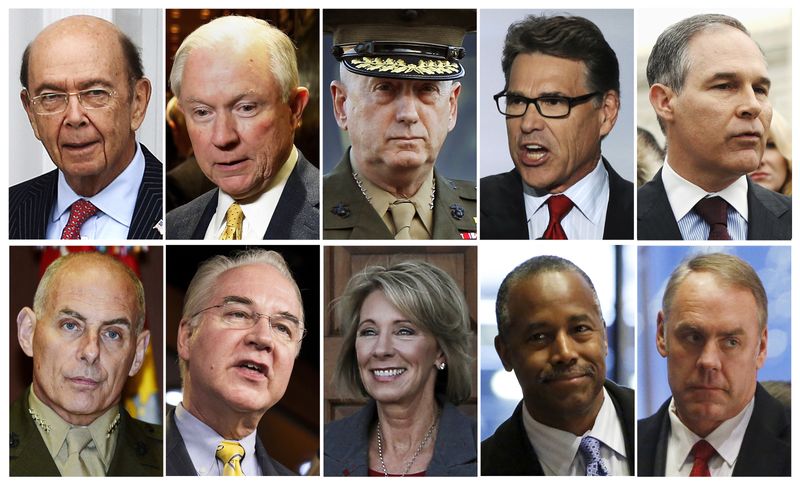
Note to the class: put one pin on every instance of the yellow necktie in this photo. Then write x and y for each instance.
(231, 454)
(402, 213)
(233, 223)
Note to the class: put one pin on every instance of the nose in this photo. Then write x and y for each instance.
(407, 108)
(260, 335)
(532, 120)
(563, 350)
(75, 114)
(384, 345)
(224, 135)
(750, 106)
(89, 347)
(709, 360)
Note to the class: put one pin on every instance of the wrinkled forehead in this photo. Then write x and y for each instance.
(262, 285)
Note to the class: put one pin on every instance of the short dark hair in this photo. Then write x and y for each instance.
(530, 268)
(131, 54)
(568, 37)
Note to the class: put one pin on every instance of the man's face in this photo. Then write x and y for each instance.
(84, 346)
(90, 146)
(714, 348)
(556, 345)
(241, 129)
(395, 124)
(232, 371)
(717, 125)
(552, 154)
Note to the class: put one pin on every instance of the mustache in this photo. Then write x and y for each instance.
(560, 373)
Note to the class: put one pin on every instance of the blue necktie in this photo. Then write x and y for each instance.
(590, 450)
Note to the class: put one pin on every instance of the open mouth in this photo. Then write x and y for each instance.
(534, 153)
(388, 372)
(253, 368)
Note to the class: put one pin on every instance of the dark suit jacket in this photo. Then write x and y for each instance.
(347, 444)
(348, 214)
(31, 202)
(770, 213)
(296, 216)
(180, 464)
(509, 451)
(766, 448)
(503, 207)
(137, 453)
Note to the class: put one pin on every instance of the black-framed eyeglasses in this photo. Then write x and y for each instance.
(54, 103)
(284, 326)
(515, 105)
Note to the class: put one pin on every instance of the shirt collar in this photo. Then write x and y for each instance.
(380, 200)
(103, 429)
(557, 448)
(726, 438)
(114, 200)
(201, 441)
(582, 193)
(683, 194)
(257, 212)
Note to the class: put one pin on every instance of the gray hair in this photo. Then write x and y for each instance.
(530, 268)
(236, 29)
(197, 294)
(430, 299)
(729, 269)
(42, 295)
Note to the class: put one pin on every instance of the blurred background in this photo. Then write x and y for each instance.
(611, 268)
(656, 263)
(290, 429)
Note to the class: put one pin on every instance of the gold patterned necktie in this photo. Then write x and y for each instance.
(231, 453)
(233, 223)
(78, 438)
(403, 211)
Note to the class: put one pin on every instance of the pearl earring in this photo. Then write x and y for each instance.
(442, 366)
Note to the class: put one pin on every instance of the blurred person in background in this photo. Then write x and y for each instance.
(775, 170)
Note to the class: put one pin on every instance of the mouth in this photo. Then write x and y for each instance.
(388, 374)
(748, 136)
(84, 382)
(252, 369)
(533, 154)
(78, 146)
(759, 175)
(230, 164)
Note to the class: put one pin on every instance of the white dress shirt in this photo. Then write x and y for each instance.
(201, 442)
(683, 195)
(115, 204)
(726, 439)
(586, 220)
(257, 213)
(558, 449)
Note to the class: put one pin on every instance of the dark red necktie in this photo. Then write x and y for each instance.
(702, 451)
(714, 210)
(559, 206)
(79, 212)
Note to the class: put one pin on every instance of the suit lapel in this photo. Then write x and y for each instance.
(205, 218)
(292, 204)
(148, 209)
(623, 403)
(178, 460)
(767, 438)
(655, 217)
(764, 213)
(506, 212)
(619, 215)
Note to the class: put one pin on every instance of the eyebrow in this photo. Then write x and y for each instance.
(247, 301)
(732, 76)
(234, 100)
(78, 316)
(81, 85)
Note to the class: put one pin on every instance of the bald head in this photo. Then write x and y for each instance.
(77, 30)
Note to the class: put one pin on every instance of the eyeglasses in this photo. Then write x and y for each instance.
(515, 105)
(238, 316)
(54, 103)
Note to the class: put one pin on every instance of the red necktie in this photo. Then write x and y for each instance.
(702, 451)
(714, 210)
(559, 206)
(80, 211)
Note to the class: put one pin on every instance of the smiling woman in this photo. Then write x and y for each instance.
(406, 347)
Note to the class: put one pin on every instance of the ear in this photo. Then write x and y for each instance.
(24, 96)
(297, 103)
(26, 326)
(185, 332)
(609, 112)
(339, 96)
(762, 349)
(141, 349)
(661, 336)
(141, 97)
(455, 90)
(662, 98)
(502, 351)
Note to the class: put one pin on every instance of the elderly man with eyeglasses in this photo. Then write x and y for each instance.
(240, 333)
(84, 90)
(561, 98)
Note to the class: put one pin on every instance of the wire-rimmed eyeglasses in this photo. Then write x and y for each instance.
(515, 105)
(284, 326)
(54, 103)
